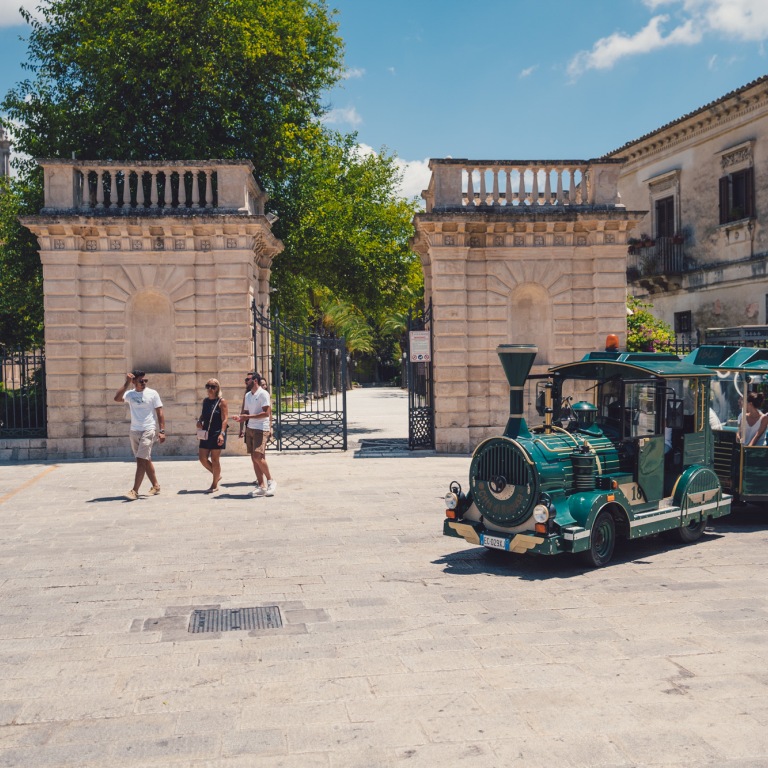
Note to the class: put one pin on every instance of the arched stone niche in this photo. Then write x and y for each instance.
(151, 331)
(530, 319)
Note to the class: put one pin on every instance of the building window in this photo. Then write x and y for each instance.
(737, 196)
(683, 322)
(665, 217)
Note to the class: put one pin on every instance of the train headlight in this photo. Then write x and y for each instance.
(541, 513)
(451, 500)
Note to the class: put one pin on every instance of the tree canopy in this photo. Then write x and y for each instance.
(208, 79)
(175, 79)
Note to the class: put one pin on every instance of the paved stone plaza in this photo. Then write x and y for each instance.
(399, 646)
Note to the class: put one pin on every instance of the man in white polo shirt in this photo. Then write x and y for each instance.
(257, 409)
(147, 424)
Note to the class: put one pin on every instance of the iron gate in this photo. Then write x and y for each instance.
(307, 373)
(421, 401)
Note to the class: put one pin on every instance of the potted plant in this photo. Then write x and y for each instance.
(678, 238)
(646, 241)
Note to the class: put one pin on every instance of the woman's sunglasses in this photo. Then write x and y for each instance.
(211, 386)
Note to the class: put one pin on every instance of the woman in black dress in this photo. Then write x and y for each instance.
(213, 419)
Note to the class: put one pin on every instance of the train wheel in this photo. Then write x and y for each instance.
(601, 542)
(692, 531)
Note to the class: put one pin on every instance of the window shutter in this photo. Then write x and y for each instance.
(749, 192)
(724, 204)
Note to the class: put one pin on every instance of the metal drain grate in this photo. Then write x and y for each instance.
(230, 619)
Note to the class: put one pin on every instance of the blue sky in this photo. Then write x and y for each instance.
(513, 79)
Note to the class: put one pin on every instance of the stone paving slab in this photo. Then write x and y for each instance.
(399, 646)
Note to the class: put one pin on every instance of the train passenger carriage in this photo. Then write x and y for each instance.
(625, 448)
(742, 468)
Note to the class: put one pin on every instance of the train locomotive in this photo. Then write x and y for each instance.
(624, 449)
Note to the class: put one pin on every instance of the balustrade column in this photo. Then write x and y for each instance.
(195, 189)
(521, 186)
(547, 186)
(113, 188)
(153, 196)
(559, 200)
(99, 187)
(495, 200)
(470, 187)
(483, 193)
(535, 187)
(508, 186)
(208, 188)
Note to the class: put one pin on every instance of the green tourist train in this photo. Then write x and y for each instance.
(629, 444)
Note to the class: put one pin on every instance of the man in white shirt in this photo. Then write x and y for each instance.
(257, 410)
(147, 424)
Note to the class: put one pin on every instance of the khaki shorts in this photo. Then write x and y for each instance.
(142, 442)
(256, 440)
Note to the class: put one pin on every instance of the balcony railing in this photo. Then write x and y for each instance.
(153, 187)
(521, 185)
(664, 257)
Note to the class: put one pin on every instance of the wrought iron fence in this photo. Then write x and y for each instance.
(22, 393)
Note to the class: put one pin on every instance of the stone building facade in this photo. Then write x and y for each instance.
(148, 265)
(703, 179)
(517, 252)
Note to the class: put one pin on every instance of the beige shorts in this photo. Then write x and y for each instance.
(256, 440)
(142, 442)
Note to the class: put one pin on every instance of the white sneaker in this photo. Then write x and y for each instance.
(259, 491)
(271, 485)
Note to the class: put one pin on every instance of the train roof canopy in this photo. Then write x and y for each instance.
(722, 358)
(605, 365)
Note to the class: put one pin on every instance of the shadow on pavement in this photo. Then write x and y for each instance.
(540, 567)
(111, 498)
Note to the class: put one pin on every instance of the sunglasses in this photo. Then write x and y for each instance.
(211, 386)
(142, 381)
(247, 379)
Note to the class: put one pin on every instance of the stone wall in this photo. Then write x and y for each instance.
(166, 288)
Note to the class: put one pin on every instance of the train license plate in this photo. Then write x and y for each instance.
(495, 542)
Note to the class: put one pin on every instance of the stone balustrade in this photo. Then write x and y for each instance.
(521, 185)
(151, 187)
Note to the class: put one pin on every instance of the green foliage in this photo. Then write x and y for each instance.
(21, 279)
(175, 79)
(645, 332)
(344, 227)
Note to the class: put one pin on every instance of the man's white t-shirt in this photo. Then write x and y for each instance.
(255, 402)
(142, 405)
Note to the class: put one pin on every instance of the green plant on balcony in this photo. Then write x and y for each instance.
(646, 332)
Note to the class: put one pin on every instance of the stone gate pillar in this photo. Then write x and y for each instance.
(149, 265)
(516, 252)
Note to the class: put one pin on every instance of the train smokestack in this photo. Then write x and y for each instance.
(516, 359)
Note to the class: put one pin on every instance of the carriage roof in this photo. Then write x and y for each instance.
(722, 358)
(606, 365)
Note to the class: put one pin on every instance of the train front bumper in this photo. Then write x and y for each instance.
(519, 543)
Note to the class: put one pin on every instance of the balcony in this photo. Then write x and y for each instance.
(662, 257)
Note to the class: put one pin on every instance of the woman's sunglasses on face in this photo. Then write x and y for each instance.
(211, 386)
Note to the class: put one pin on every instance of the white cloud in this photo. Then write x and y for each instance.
(742, 20)
(391, 70)
(529, 71)
(9, 11)
(608, 50)
(343, 116)
(353, 73)
(416, 175)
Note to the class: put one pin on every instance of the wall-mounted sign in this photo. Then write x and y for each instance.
(419, 346)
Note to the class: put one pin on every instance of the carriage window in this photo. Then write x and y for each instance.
(640, 410)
